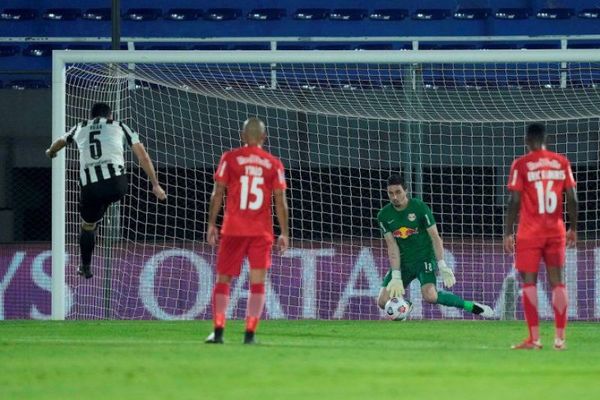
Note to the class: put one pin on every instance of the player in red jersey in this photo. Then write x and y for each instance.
(537, 181)
(250, 176)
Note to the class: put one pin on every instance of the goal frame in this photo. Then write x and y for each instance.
(61, 58)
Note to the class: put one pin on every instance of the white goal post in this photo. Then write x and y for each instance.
(418, 106)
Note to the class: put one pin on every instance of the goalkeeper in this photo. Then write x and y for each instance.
(412, 236)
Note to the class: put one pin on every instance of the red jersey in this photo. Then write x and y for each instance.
(541, 176)
(250, 174)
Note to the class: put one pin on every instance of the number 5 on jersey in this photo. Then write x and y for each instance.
(250, 185)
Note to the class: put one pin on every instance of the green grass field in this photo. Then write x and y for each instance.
(295, 360)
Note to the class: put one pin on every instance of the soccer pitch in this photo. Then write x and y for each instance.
(295, 360)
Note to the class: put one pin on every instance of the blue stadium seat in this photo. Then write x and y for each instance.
(9, 50)
(459, 46)
(41, 49)
(429, 14)
(18, 14)
(428, 46)
(97, 14)
(541, 45)
(86, 46)
(513, 13)
(555, 13)
(211, 46)
(222, 14)
(61, 14)
(500, 46)
(161, 46)
(143, 14)
(583, 45)
(183, 14)
(590, 13)
(348, 14)
(389, 14)
(585, 75)
(22, 84)
(374, 46)
(333, 46)
(266, 14)
(472, 13)
(311, 13)
(251, 46)
(293, 46)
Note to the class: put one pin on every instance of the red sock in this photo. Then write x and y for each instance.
(256, 303)
(559, 304)
(530, 306)
(220, 301)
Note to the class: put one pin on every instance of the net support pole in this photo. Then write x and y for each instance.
(273, 67)
(58, 190)
(116, 25)
(563, 66)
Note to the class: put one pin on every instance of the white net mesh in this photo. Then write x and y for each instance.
(451, 129)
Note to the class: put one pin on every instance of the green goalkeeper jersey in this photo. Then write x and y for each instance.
(409, 227)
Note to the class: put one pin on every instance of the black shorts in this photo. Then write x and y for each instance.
(96, 197)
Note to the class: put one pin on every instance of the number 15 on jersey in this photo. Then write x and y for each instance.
(251, 185)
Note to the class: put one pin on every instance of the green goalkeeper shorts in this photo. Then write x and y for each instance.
(425, 273)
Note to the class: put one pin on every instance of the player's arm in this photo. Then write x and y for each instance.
(572, 209)
(216, 201)
(146, 164)
(282, 211)
(61, 142)
(436, 241)
(55, 147)
(395, 287)
(438, 250)
(514, 204)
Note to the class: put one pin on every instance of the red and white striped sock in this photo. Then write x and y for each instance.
(559, 304)
(530, 306)
(220, 302)
(256, 303)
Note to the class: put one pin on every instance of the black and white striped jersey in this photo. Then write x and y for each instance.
(101, 144)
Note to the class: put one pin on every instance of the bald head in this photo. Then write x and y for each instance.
(253, 131)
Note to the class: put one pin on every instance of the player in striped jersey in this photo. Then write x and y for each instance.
(102, 175)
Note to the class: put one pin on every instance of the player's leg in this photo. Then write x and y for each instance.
(433, 296)
(91, 209)
(528, 255)
(87, 242)
(554, 256)
(230, 255)
(94, 201)
(259, 257)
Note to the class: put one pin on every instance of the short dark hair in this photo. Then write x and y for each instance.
(536, 133)
(101, 110)
(395, 179)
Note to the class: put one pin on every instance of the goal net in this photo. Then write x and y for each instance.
(341, 127)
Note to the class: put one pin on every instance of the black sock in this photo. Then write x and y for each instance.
(87, 241)
(219, 333)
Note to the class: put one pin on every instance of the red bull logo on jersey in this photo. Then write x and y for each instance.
(405, 232)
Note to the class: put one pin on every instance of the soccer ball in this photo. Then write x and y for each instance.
(397, 309)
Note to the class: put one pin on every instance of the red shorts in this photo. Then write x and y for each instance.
(529, 253)
(233, 249)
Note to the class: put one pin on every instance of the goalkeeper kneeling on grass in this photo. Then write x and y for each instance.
(415, 251)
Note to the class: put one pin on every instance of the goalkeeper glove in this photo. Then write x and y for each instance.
(395, 287)
(447, 274)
